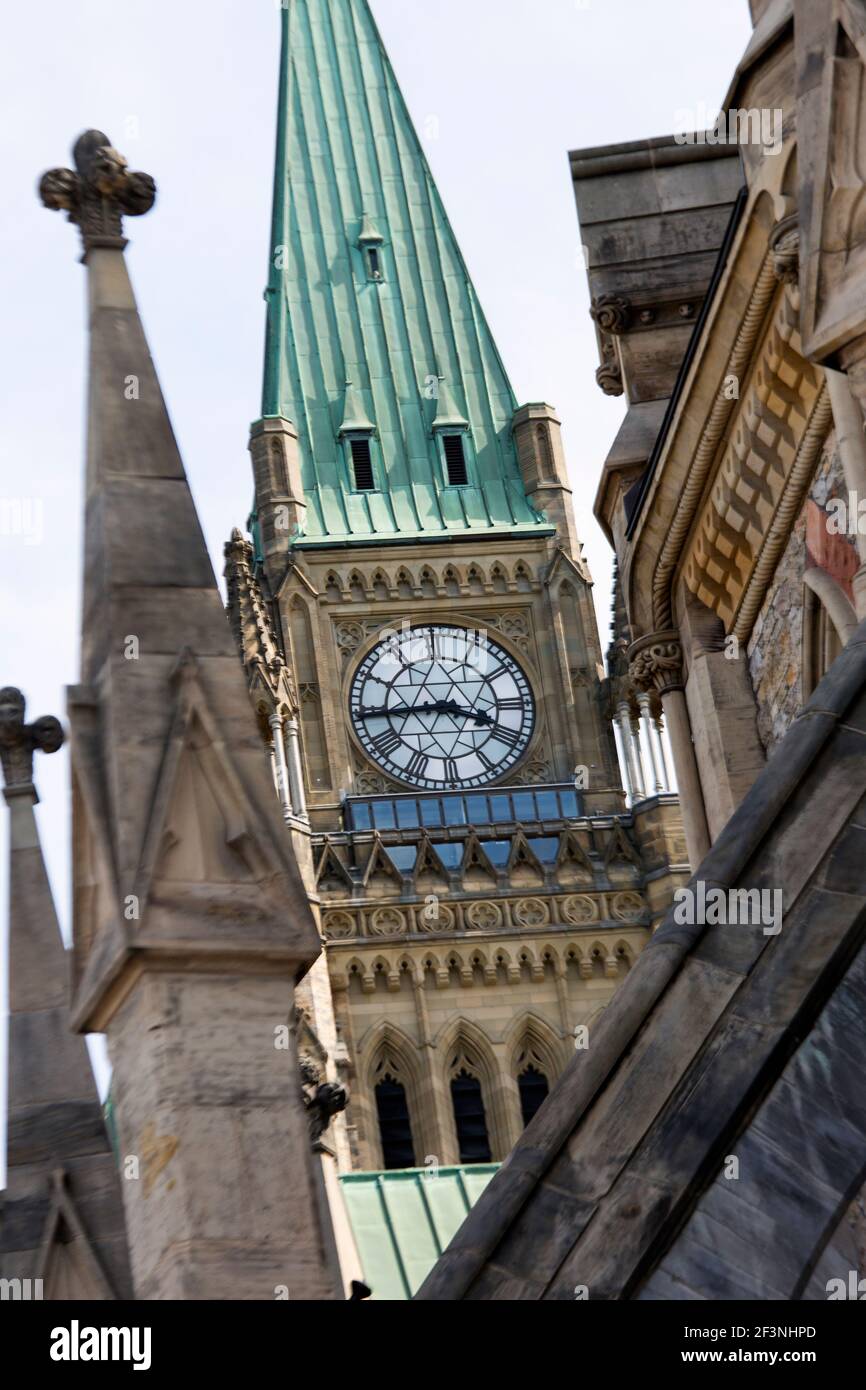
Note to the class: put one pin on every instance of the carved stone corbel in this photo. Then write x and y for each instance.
(656, 662)
(611, 313)
(609, 374)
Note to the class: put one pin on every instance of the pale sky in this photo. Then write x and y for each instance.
(500, 90)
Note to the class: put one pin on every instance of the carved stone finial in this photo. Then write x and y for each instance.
(19, 740)
(98, 193)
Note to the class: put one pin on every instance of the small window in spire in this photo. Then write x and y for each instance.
(362, 464)
(455, 460)
(374, 263)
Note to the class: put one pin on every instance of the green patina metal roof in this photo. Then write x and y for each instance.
(403, 1220)
(411, 352)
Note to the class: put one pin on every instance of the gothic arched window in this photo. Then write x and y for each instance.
(469, 1118)
(395, 1130)
(534, 1088)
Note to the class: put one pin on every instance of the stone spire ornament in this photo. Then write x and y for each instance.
(18, 741)
(61, 1221)
(98, 192)
(191, 925)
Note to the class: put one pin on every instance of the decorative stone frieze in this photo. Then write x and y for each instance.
(628, 907)
(579, 909)
(484, 916)
(339, 925)
(531, 912)
(387, 921)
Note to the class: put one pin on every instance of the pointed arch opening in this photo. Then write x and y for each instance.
(535, 1063)
(470, 1116)
(472, 1078)
(393, 1089)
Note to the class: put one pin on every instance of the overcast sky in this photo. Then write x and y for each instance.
(501, 90)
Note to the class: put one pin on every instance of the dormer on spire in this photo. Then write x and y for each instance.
(357, 434)
(370, 242)
(448, 416)
(369, 234)
(453, 437)
(354, 414)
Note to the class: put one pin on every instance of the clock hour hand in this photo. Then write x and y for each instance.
(432, 707)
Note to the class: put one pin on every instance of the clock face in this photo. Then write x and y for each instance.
(442, 707)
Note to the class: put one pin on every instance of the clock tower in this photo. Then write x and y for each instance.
(416, 622)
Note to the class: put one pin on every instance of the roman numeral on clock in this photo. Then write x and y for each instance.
(510, 737)
(417, 765)
(513, 702)
(385, 743)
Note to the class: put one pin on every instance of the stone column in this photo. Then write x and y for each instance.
(296, 771)
(643, 700)
(656, 663)
(622, 723)
(639, 756)
(662, 755)
(282, 771)
(630, 752)
(561, 978)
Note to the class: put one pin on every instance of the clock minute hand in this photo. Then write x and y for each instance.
(433, 707)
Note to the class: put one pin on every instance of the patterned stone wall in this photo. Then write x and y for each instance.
(776, 644)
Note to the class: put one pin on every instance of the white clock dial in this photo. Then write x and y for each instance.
(440, 706)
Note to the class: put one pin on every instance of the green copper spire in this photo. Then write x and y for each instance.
(374, 330)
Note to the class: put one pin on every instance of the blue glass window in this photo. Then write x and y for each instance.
(497, 852)
(431, 812)
(569, 805)
(500, 808)
(545, 848)
(524, 806)
(360, 813)
(403, 856)
(451, 855)
(548, 806)
(476, 809)
(455, 811)
(383, 815)
(407, 814)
